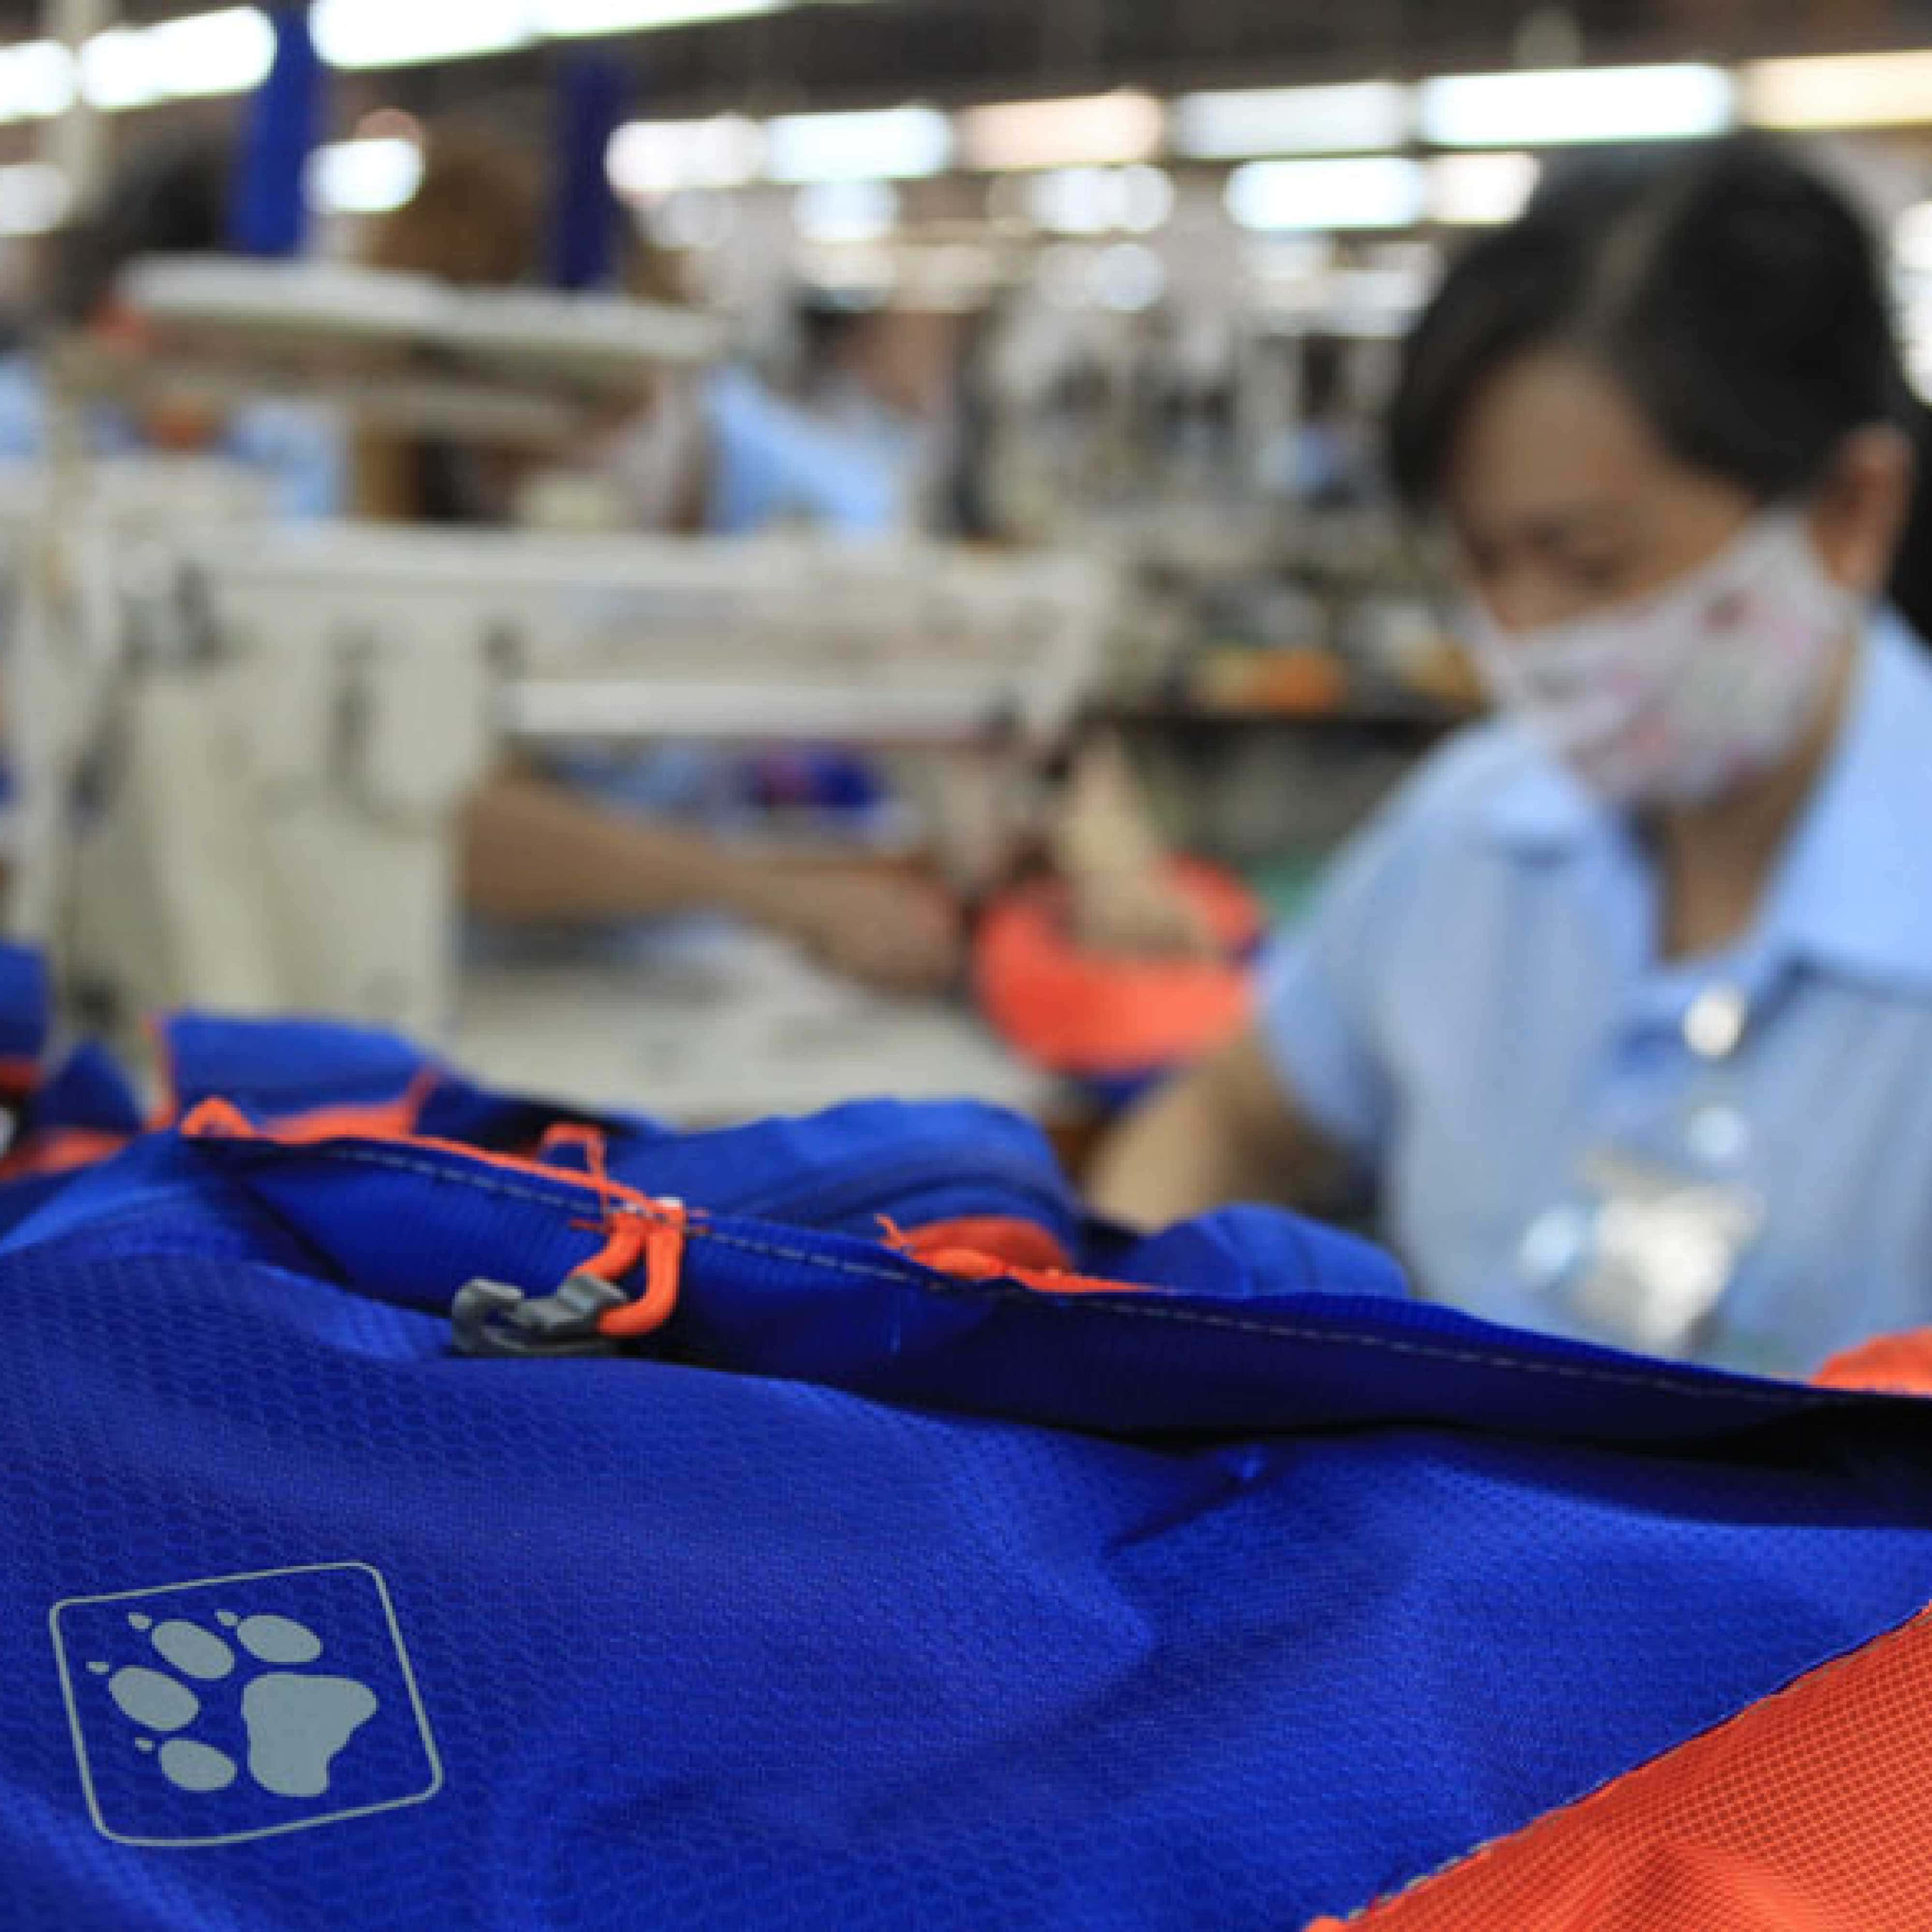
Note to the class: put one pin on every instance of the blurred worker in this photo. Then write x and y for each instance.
(1625, 1006)
(578, 844)
(856, 447)
(169, 198)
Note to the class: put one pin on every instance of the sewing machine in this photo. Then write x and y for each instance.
(248, 747)
(297, 715)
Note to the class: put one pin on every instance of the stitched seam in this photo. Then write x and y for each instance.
(1142, 1310)
(1601, 1796)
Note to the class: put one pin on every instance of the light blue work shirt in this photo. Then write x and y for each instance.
(1477, 1002)
(299, 447)
(774, 462)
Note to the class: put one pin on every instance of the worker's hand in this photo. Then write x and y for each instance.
(899, 934)
(1142, 913)
(1123, 894)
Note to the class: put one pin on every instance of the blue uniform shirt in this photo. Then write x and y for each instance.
(299, 447)
(774, 462)
(1477, 1004)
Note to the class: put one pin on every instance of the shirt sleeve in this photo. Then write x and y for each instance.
(1321, 989)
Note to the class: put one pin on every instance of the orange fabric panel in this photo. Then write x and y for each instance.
(1092, 1014)
(62, 1150)
(1891, 1364)
(1809, 1812)
(19, 1074)
(1001, 1237)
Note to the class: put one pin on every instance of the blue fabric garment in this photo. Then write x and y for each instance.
(773, 462)
(865, 1596)
(1477, 1001)
(301, 448)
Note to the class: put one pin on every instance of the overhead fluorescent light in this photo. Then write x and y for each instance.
(1556, 106)
(35, 198)
(1092, 131)
(1475, 190)
(1356, 118)
(37, 80)
(226, 51)
(356, 34)
(1367, 191)
(1097, 201)
(562, 19)
(1839, 91)
(845, 210)
(117, 71)
(366, 177)
(648, 158)
(891, 144)
(229, 51)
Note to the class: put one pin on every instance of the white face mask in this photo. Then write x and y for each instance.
(1676, 697)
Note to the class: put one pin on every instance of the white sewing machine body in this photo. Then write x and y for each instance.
(296, 716)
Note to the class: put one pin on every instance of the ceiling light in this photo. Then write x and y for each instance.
(37, 80)
(1553, 106)
(406, 33)
(229, 51)
(117, 71)
(1476, 189)
(1072, 201)
(846, 210)
(654, 157)
(893, 143)
(34, 197)
(363, 177)
(563, 19)
(1096, 201)
(1369, 191)
(1361, 115)
(1092, 131)
(1839, 91)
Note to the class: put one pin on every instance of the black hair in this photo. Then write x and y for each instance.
(1734, 294)
(171, 198)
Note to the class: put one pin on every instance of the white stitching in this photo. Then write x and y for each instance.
(1127, 1304)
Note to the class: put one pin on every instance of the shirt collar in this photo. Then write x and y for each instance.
(1542, 811)
(1854, 892)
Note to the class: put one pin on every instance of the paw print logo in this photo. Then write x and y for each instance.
(236, 1707)
(296, 1725)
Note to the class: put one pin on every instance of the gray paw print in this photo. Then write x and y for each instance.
(298, 1722)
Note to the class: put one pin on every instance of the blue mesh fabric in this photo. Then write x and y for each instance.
(868, 1597)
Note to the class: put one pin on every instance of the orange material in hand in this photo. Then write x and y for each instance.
(1105, 1016)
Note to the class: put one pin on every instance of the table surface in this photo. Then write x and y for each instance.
(717, 1027)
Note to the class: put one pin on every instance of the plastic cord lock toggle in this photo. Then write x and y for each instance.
(490, 1318)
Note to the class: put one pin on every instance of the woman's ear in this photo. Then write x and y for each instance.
(1858, 514)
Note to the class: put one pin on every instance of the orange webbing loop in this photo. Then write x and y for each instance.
(60, 1151)
(658, 1234)
(366, 1119)
(996, 1247)
(1005, 1237)
(635, 1228)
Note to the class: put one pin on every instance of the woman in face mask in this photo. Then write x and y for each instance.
(1624, 1008)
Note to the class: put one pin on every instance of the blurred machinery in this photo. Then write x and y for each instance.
(297, 715)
